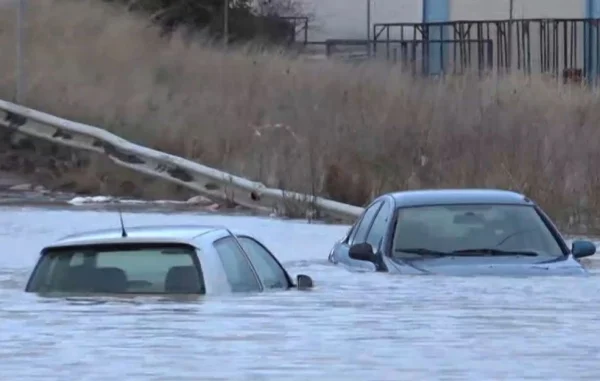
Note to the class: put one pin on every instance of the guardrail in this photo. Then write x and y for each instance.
(207, 181)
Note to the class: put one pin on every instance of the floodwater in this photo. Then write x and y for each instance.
(350, 327)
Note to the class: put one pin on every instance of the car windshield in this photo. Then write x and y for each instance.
(463, 230)
(118, 269)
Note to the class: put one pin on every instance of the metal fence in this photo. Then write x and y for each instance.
(564, 48)
(560, 47)
(414, 55)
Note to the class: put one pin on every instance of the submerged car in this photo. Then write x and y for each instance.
(160, 260)
(458, 232)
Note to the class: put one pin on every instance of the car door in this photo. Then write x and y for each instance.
(357, 234)
(238, 269)
(379, 227)
(269, 270)
(377, 232)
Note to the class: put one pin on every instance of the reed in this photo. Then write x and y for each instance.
(343, 131)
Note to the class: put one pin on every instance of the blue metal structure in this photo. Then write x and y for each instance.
(592, 42)
(436, 11)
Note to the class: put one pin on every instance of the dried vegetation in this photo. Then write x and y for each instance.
(348, 132)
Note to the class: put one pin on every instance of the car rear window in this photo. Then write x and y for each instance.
(119, 269)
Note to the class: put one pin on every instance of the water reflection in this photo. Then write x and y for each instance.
(350, 327)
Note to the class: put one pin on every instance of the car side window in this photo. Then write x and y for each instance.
(237, 266)
(269, 270)
(379, 226)
(360, 233)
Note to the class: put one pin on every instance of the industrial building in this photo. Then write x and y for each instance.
(348, 18)
(503, 39)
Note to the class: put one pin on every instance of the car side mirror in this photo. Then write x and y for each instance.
(304, 282)
(582, 249)
(363, 252)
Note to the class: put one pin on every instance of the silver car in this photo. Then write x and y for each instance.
(160, 260)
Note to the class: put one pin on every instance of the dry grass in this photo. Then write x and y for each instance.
(347, 132)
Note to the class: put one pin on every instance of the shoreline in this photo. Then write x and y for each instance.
(10, 180)
(145, 207)
(19, 191)
(16, 191)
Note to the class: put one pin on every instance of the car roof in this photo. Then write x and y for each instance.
(458, 196)
(139, 234)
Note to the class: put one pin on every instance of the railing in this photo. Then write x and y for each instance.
(414, 55)
(207, 181)
(563, 48)
(300, 24)
(554, 46)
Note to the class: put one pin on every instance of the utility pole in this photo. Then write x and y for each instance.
(369, 28)
(225, 23)
(20, 33)
(511, 15)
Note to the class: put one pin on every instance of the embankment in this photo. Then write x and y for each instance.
(346, 132)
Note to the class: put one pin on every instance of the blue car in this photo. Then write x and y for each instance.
(458, 232)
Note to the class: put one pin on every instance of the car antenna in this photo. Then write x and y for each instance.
(123, 231)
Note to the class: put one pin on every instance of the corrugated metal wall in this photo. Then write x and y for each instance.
(499, 9)
(347, 19)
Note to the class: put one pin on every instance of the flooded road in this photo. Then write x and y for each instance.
(351, 327)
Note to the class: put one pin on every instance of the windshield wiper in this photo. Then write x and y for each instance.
(494, 252)
(423, 251)
(467, 252)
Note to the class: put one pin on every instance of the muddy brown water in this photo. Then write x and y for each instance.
(351, 327)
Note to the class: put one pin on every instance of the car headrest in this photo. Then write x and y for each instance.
(79, 279)
(183, 279)
(110, 280)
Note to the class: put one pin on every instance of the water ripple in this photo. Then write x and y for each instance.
(350, 327)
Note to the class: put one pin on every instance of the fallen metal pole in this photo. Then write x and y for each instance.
(207, 181)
